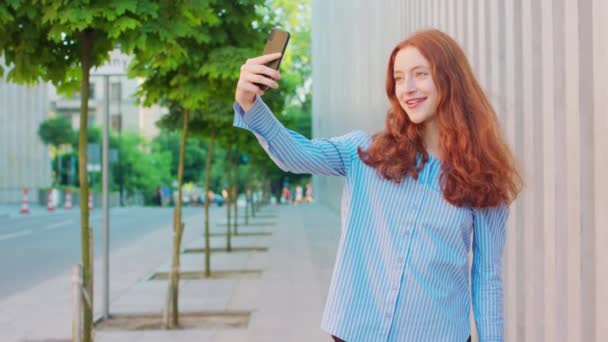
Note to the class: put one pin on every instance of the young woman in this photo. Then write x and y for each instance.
(416, 196)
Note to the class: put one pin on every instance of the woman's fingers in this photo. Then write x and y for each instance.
(254, 74)
(260, 79)
(261, 69)
(264, 59)
(248, 87)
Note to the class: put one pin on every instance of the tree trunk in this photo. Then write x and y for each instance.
(247, 205)
(207, 200)
(171, 314)
(228, 199)
(253, 201)
(235, 195)
(58, 172)
(86, 42)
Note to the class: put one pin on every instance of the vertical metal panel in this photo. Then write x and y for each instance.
(527, 197)
(573, 167)
(460, 17)
(511, 271)
(451, 16)
(471, 34)
(538, 167)
(481, 30)
(549, 178)
(587, 147)
(600, 124)
(561, 205)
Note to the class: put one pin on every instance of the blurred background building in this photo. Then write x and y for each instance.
(25, 160)
(544, 66)
(125, 113)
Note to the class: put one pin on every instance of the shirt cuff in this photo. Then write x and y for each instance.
(258, 119)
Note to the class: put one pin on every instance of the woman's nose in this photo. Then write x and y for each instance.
(410, 86)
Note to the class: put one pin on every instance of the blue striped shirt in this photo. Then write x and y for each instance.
(401, 270)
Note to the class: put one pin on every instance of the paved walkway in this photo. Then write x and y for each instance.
(286, 301)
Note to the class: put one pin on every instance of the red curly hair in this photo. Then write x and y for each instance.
(477, 167)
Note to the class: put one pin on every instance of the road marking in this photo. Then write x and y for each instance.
(14, 235)
(58, 224)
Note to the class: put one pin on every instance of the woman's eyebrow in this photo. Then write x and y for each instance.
(418, 67)
(396, 71)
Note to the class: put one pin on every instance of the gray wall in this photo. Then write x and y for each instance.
(544, 66)
(24, 160)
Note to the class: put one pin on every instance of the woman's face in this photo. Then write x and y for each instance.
(414, 86)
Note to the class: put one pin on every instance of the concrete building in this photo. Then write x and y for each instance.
(24, 160)
(125, 114)
(544, 66)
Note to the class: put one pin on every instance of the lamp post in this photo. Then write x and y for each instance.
(117, 66)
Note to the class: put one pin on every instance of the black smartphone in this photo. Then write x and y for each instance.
(277, 42)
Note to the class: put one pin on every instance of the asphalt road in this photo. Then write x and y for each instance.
(38, 247)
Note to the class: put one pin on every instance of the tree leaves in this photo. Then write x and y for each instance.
(56, 131)
(121, 25)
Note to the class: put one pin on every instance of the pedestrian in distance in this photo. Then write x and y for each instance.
(419, 195)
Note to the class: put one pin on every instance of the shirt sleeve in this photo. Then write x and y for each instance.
(487, 286)
(292, 151)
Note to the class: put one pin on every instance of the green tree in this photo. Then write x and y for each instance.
(141, 171)
(60, 41)
(195, 153)
(292, 103)
(55, 132)
(94, 136)
(178, 78)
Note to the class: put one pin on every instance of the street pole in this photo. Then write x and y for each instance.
(116, 66)
(105, 201)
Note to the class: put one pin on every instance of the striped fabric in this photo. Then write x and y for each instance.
(401, 271)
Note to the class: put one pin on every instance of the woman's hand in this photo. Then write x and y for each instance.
(253, 73)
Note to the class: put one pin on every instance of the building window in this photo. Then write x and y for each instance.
(116, 122)
(91, 91)
(115, 91)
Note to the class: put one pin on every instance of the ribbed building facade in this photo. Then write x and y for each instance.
(24, 160)
(544, 65)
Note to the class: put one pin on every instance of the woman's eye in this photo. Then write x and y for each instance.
(421, 74)
(398, 78)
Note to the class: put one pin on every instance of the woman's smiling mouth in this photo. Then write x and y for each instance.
(415, 102)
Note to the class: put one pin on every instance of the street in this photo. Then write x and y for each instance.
(38, 247)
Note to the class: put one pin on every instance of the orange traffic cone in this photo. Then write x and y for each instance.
(49, 202)
(24, 205)
(90, 200)
(68, 200)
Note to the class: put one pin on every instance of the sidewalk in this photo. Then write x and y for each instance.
(286, 300)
